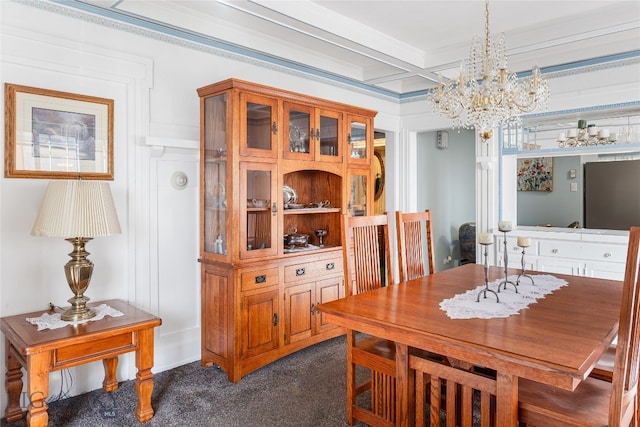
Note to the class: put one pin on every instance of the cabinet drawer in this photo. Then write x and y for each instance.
(607, 253)
(560, 249)
(258, 279)
(312, 269)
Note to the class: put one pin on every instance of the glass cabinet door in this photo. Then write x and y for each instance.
(328, 136)
(358, 196)
(258, 210)
(258, 126)
(299, 143)
(359, 139)
(215, 175)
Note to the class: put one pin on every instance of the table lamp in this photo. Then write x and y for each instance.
(77, 210)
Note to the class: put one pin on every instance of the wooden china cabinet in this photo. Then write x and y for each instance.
(274, 166)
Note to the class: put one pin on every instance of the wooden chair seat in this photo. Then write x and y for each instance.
(546, 406)
(604, 368)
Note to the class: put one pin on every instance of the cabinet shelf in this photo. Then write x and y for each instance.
(310, 211)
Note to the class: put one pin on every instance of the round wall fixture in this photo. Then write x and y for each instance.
(179, 180)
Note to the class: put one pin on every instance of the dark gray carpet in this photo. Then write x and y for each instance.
(304, 389)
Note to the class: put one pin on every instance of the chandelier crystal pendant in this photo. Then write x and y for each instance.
(486, 94)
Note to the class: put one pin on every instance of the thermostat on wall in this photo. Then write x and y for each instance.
(443, 139)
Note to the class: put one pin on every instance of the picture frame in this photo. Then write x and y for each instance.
(535, 174)
(57, 135)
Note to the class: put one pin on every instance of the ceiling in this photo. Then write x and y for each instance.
(392, 46)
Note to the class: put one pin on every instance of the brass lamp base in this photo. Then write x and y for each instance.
(78, 271)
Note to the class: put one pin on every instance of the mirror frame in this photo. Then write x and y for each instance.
(378, 186)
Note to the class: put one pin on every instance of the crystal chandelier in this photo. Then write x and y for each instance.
(486, 94)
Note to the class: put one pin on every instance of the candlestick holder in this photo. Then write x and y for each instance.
(523, 274)
(486, 275)
(506, 280)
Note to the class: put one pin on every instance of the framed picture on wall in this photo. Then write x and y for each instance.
(535, 174)
(57, 135)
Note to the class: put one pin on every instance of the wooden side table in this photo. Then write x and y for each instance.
(42, 352)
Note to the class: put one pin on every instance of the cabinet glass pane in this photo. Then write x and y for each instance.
(328, 136)
(358, 140)
(259, 122)
(299, 129)
(215, 172)
(259, 215)
(358, 198)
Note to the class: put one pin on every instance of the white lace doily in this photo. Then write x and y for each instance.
(53, 321)
(466, 306)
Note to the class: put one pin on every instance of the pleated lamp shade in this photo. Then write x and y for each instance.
(76, 208)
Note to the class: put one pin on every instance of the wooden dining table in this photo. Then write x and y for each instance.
(556, 340)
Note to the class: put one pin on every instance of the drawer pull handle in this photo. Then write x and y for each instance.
(261, 279)
(607, 254)
(330, 266)
(300, 272)
(555, 251)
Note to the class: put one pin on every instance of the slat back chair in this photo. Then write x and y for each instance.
(364, 239)
(596, 402)
(409, 235)
(450, 390)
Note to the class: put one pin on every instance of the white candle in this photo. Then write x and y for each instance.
(613, 136)
(485, 238)
(562, 136)
(504, 225)
(572, 133)
(593, 131)
(524, 242)
(603, 133)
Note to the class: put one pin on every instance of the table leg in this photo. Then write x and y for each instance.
(110, 382)
(506, 400)
(144, 376)
(405, 388)
(38, 388)
(13, 383)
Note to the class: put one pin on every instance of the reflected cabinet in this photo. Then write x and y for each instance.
(278, 171)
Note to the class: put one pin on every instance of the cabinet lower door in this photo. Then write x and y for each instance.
(327, 290)
(298, 312)
(259, 323)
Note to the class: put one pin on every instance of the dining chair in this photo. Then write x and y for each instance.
(367, 265)
(411, 244)
(596, 402)
(460, 391)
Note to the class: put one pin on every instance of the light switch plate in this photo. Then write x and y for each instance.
(574, 186)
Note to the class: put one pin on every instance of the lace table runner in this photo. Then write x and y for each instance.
(465, 306)
(53, 321)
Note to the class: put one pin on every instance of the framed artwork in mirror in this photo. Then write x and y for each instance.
(57, 135)
(535, 174)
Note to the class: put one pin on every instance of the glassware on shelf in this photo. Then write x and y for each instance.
(320, 233)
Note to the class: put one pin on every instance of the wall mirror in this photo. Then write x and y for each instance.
(580, 170)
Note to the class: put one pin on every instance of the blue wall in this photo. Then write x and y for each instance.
(446, 185)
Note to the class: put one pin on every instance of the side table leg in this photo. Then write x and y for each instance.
(144, 377)
(38, 388)
(13, 383)
(110, 382)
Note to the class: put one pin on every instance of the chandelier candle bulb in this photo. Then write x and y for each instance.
(504, 225)
(524, 242)
(485, 238)
(572, 133)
